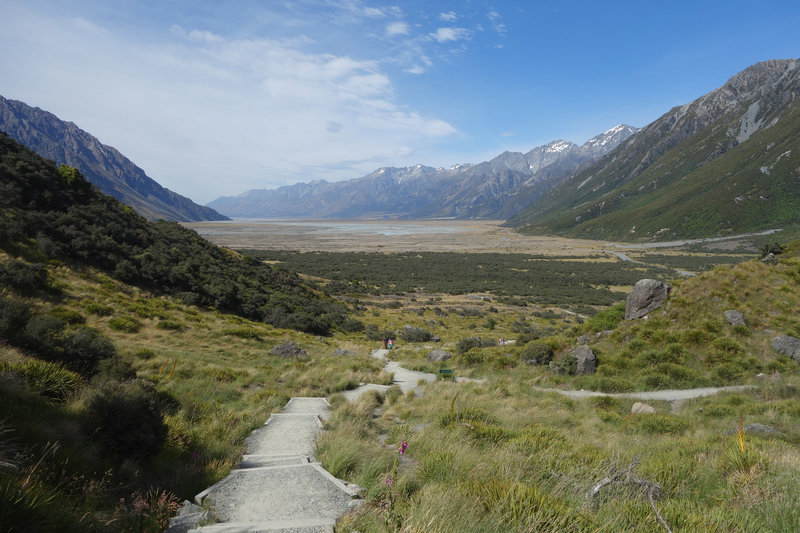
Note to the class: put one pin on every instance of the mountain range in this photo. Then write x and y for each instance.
(102, 165)
(727, 162)
(493, 189)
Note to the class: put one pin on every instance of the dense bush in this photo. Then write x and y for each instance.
(125, 419)
(606, 319)
(536, 353)
(71, 221)
(26, 278)
(48, 337)
(412, 334)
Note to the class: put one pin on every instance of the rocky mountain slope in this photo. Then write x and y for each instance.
(726, 162)
(492, 189)
(102, 165)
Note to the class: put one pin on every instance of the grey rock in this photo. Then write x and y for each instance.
(734, 318)
(787, 345)
(642, 408)
(586, 359)
(342, 351)
(646, 296)
(415, 334)
(583, 339)
(439, 355)
(190, 516)
(757, 428)
(289, 350)
(761, 428)
(770, 259)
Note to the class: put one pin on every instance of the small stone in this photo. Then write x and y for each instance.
(289, 350)
(642, 408)
(770, 259)
(734, 318)
(439, 355)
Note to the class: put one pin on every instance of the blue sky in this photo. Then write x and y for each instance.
(214, 98)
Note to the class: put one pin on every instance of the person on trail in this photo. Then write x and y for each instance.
(385, 342)
(391, 343)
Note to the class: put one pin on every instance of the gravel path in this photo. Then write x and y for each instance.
(405, 379)
(278, 486)
(669, 395)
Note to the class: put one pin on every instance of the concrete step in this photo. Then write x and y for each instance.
(262, 460)
(276, 526)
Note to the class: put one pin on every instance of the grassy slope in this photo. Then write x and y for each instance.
(503, 456)
(216, 381)
(686, 193)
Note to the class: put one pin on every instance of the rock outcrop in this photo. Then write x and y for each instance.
(586, 360)
(735, 318)
(646, 296)
(439, 355)
(788, 346)
(289, 350)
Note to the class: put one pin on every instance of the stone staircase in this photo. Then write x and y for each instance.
(278, 486)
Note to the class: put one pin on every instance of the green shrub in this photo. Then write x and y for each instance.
(609, 384)
(607, 319)
(69, 316)
(171, 325)
(412, 334)
(52, 380)
(98, 309)
(352, 325)
(14, 316)
(125, 419)
(606, 403)
(85, 348)
(660, 423)
(465, 345)
(126, 324)
(564, 364)
(536, 353)
(25, 278)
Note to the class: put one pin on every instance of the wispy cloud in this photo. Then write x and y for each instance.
(447, 34)
(196, 109)
(397, 28)
(448, 16)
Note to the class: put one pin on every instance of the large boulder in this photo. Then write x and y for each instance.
(289, 350)
(646, 296)
(438, 356)
(586, 360)
(735, 318)
(788, 346)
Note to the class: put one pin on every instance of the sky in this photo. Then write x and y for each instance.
(213, 98)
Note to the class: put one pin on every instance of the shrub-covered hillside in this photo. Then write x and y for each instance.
(54, 213)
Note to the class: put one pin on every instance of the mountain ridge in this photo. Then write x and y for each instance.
(479, 190)
(705, 155)
(102, 165)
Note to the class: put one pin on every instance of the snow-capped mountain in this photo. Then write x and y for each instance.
(497, 188)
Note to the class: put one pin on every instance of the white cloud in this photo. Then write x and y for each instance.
(444, 35)
(493, 15)
(448, 16)
(415, 69)
(397, 28)
(207, 115)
